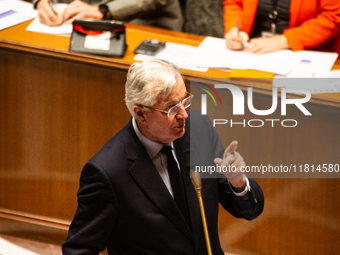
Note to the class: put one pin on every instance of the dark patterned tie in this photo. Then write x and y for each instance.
(176, 181)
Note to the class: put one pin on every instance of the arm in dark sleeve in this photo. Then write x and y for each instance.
(95, 216)
(236, 206)
(130, 9)
(209, 145)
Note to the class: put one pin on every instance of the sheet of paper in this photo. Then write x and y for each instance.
(279, 62)
(13, 12)
(314, 61)
(8, 248)
(38, 27)
(213, 53)
(177, 54)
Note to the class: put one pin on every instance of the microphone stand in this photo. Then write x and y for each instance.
(197, 183)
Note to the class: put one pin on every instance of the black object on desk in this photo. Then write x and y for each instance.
(98, 37)
(149, 47)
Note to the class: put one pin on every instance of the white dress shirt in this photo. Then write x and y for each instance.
(159, 159)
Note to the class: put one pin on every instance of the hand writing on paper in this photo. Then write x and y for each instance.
(236, 40)
(51, 16)
(49, 13)
(233, 159)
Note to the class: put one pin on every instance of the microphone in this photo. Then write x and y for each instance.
(192, 160)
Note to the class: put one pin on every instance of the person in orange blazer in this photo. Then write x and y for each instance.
(313, 24)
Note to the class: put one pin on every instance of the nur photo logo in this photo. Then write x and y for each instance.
(217, 91)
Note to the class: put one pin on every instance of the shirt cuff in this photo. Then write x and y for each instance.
(244, 192)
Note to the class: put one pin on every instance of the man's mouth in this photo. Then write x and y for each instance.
(181, 126)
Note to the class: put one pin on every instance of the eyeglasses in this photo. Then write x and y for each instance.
(173, 111)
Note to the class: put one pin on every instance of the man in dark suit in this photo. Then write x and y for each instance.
(128, 200)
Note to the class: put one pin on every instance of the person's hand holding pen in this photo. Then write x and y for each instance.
(236, 39)
(49, 13)
(51, 16)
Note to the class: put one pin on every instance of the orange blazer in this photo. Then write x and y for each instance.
(314, 24)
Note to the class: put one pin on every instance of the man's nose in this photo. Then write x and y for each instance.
(182, 113)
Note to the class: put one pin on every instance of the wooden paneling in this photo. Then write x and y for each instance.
(301, 216)
(54, 116)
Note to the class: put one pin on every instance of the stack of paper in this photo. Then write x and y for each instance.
(213, 53)
(38, 27)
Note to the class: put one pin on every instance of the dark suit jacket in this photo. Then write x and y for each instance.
(124, 205)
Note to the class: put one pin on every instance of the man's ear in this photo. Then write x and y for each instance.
(140, 113)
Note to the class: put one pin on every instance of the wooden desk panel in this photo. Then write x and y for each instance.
(55, 114)
(58, 108)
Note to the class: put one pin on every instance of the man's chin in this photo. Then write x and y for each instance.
(180, 132)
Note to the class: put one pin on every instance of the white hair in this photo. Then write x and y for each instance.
(148, 80)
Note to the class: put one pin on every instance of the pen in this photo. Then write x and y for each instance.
(239, 32)
(52, 7)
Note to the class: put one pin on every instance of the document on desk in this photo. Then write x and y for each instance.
(314, 62)
(312, 72)
(38, 27)
(176, 53)
(8, 248)
(13, 12)
(213, 53)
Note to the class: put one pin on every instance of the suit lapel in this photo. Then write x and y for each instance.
(147, 177)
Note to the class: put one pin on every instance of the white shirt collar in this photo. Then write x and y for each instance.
(151, 147)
